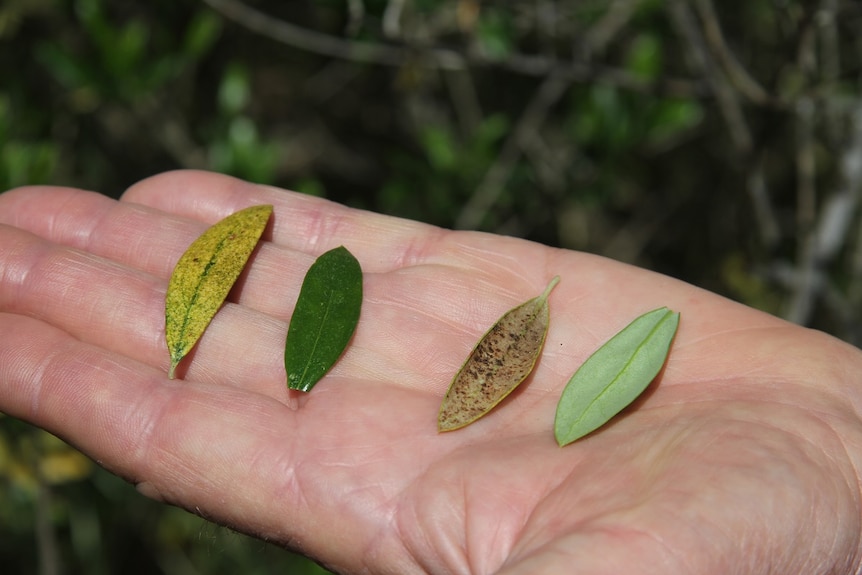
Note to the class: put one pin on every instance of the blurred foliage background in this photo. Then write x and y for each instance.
(717, 143)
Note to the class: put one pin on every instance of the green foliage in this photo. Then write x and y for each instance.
(237, 147)
(494, 32)
(123, 60)
(310, 186)
(457, 167)
(23, 162)
(644, 58)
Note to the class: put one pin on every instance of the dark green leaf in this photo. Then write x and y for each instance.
(615, 375)
(324, 319)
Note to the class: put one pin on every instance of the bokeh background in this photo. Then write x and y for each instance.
(720, 143)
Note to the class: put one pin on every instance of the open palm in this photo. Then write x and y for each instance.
(742, 457)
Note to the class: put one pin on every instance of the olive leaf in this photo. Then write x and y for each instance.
(615, 375)
(502, 359)
(324, 318)
(205, 274)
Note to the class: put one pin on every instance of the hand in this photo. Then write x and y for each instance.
(743, 457)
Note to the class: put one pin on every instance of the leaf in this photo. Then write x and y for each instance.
(615, 375)
(324, 319)
(205, 274)
(502, 359)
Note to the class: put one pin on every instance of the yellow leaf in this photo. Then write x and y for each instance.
(204, 276)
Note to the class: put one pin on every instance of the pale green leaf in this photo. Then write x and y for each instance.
(615, 375)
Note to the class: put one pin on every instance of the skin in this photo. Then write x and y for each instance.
(743, 456)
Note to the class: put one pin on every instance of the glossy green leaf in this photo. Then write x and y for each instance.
(502, 359)
(205, 274)
(324, 319)
(615, 375)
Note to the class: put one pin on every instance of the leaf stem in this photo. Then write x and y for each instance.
(551, 285)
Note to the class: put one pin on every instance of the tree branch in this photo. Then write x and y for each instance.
(487, 193)
(731, 110)
(441, 58)
(736, 73)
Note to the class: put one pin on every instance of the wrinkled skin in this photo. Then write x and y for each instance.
(743, 457)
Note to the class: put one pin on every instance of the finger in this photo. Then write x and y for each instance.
(130, 234)
(313, 225)
(106, 304)
(307, 224)
(510, 267)
(151, 240)
(136, 236)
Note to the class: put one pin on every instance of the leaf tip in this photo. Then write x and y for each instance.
(295, 383)
(444, 426)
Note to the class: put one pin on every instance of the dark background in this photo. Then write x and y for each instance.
(717, 143)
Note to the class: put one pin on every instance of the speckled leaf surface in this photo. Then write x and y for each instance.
(204, 276)
(502, 359)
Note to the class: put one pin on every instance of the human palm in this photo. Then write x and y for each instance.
(742, 457)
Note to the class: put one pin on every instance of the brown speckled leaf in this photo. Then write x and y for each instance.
(502, 359)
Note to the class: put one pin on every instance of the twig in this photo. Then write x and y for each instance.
(356, 13)
(491, 187)
(49, 563)
(171, 130)
(727, 101)
(629, 242)
(832, 232)
(851, 166)
(764, 213)
(810, 263)
(736, 73)
(330, 80)
(805, 291)
(731, 111)
(547, 18)
(464, 100)
(830, 63)
(806, 196)
(615, 19)
(318, 43)
(441, 58)
(46, 536)
(392, 18)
